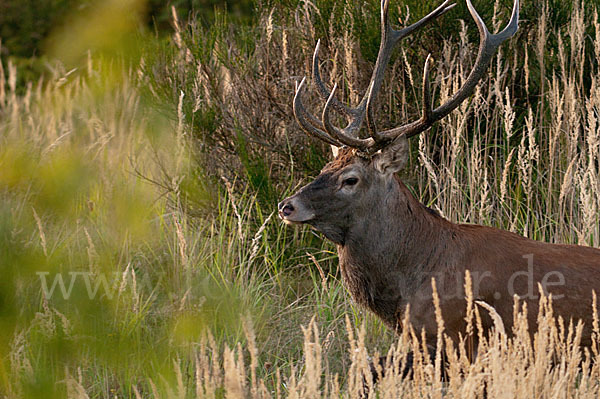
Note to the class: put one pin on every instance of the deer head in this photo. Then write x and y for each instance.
(360, 181)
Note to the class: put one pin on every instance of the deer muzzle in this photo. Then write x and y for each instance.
(292, 211)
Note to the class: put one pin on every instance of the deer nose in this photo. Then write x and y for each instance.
(285, 209)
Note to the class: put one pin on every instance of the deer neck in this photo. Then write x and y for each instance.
(390, 255)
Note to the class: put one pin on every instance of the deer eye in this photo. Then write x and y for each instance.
(350, 181)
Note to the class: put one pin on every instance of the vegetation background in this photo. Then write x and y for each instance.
(144, 146)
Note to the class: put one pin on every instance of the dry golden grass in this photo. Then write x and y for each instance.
(230, 303)
(509, 364)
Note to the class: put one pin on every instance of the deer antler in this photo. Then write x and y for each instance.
(390, 37)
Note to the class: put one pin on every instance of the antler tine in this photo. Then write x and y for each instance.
(346, 135)
(389, 38)
(427, 103)
(427, 109)
(325, 93)
(307, 121)
(327, 132)
(439, 11)
(487, 48)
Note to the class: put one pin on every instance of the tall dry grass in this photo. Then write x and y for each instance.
(164, 173)
(507, 364)
(539, 176)
(522, 154)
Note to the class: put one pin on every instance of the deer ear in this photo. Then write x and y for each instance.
(392, 158)
(335, 151)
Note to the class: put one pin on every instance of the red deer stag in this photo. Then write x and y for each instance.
(390, 245)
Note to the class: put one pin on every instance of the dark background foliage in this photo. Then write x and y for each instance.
(252, 134)
(25, 24)
(158, 146)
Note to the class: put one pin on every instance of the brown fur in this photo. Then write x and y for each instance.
(390, 246)
(346, 156)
